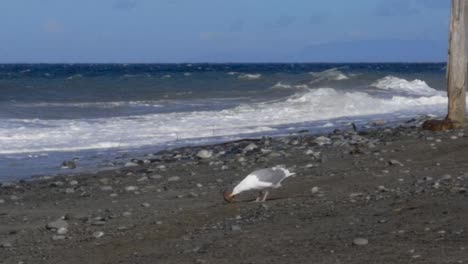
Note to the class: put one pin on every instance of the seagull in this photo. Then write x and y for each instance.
(263, 179)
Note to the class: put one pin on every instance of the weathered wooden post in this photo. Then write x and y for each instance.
(456, 70)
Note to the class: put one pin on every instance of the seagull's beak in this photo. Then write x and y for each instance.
(228, 197)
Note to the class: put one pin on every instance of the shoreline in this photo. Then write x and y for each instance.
(402, 190)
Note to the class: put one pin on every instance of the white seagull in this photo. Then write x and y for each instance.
(263, 179)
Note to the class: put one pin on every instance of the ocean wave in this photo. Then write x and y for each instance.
(328, 75)
(104, 105)
(415, 87)
(250, 76)
(75, 76)
(323, 104)
(281, 85)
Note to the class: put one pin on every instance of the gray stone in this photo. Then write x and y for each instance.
(146, 205)
(395, 162)
(98, 234)
(62, 231)
(236, 228)
(322, 141)
(131, 188)
(5, 245)
(205, 154)
(173, 178)
(314, 190)
(57, 224)
(446, 177)
(69, 164)
(106, 188)
(250, 147)
(360, 241)
(130, 164)
(58, 237)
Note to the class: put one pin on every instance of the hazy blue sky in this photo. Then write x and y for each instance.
(223, 30)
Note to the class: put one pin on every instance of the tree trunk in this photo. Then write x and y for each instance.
(457, 64)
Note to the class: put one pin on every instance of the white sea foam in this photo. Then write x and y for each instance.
(103, 105)
(36, 135)
(328, 75)
(76, 76)
(415, 87)
(281, 85)
(250, 76)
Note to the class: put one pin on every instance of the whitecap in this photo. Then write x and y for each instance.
(250, 76)
(415, 87)
(76, 76)
(280, 85)
(323, 104)
(328, 75)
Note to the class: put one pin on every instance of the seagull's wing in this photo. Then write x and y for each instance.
(272, 176)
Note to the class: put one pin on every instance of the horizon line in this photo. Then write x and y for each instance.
(260, 62)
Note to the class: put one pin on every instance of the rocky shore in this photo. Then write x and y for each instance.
(386, 195)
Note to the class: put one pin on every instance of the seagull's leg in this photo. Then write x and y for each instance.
(264, 196)
(258, 197)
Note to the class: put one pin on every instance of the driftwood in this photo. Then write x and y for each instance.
(456, 70)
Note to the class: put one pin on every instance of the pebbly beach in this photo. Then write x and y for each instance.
(384, 195)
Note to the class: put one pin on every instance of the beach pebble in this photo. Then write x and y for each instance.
(142, 179)
(68, 164)
(250, 147)
(236, 228)
(130, 164)
(2, 201)
(146, 205)
(360, 241)
(394, 162)
(314, 190)
(62, 231)
(5, 245)
(193, 195)
(322, 141)
(446, 177)
(73, 183)
(205, 154)
(58, 237)
(173, 178)
(131, 188)
(155, 176)
(57, 224)
(106, 188)
(127, 214)
(98, 234)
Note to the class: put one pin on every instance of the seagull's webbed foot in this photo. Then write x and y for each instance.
(264, 196)
(259, 198)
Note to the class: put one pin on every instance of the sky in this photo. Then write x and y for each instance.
(161, 31)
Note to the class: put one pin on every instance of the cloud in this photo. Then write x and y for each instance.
(395, 8)
(281, 22)
(52, 26)
(125, 4)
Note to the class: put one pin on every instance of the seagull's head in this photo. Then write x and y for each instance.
(228, 196)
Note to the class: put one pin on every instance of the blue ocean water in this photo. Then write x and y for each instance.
(105, 113)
